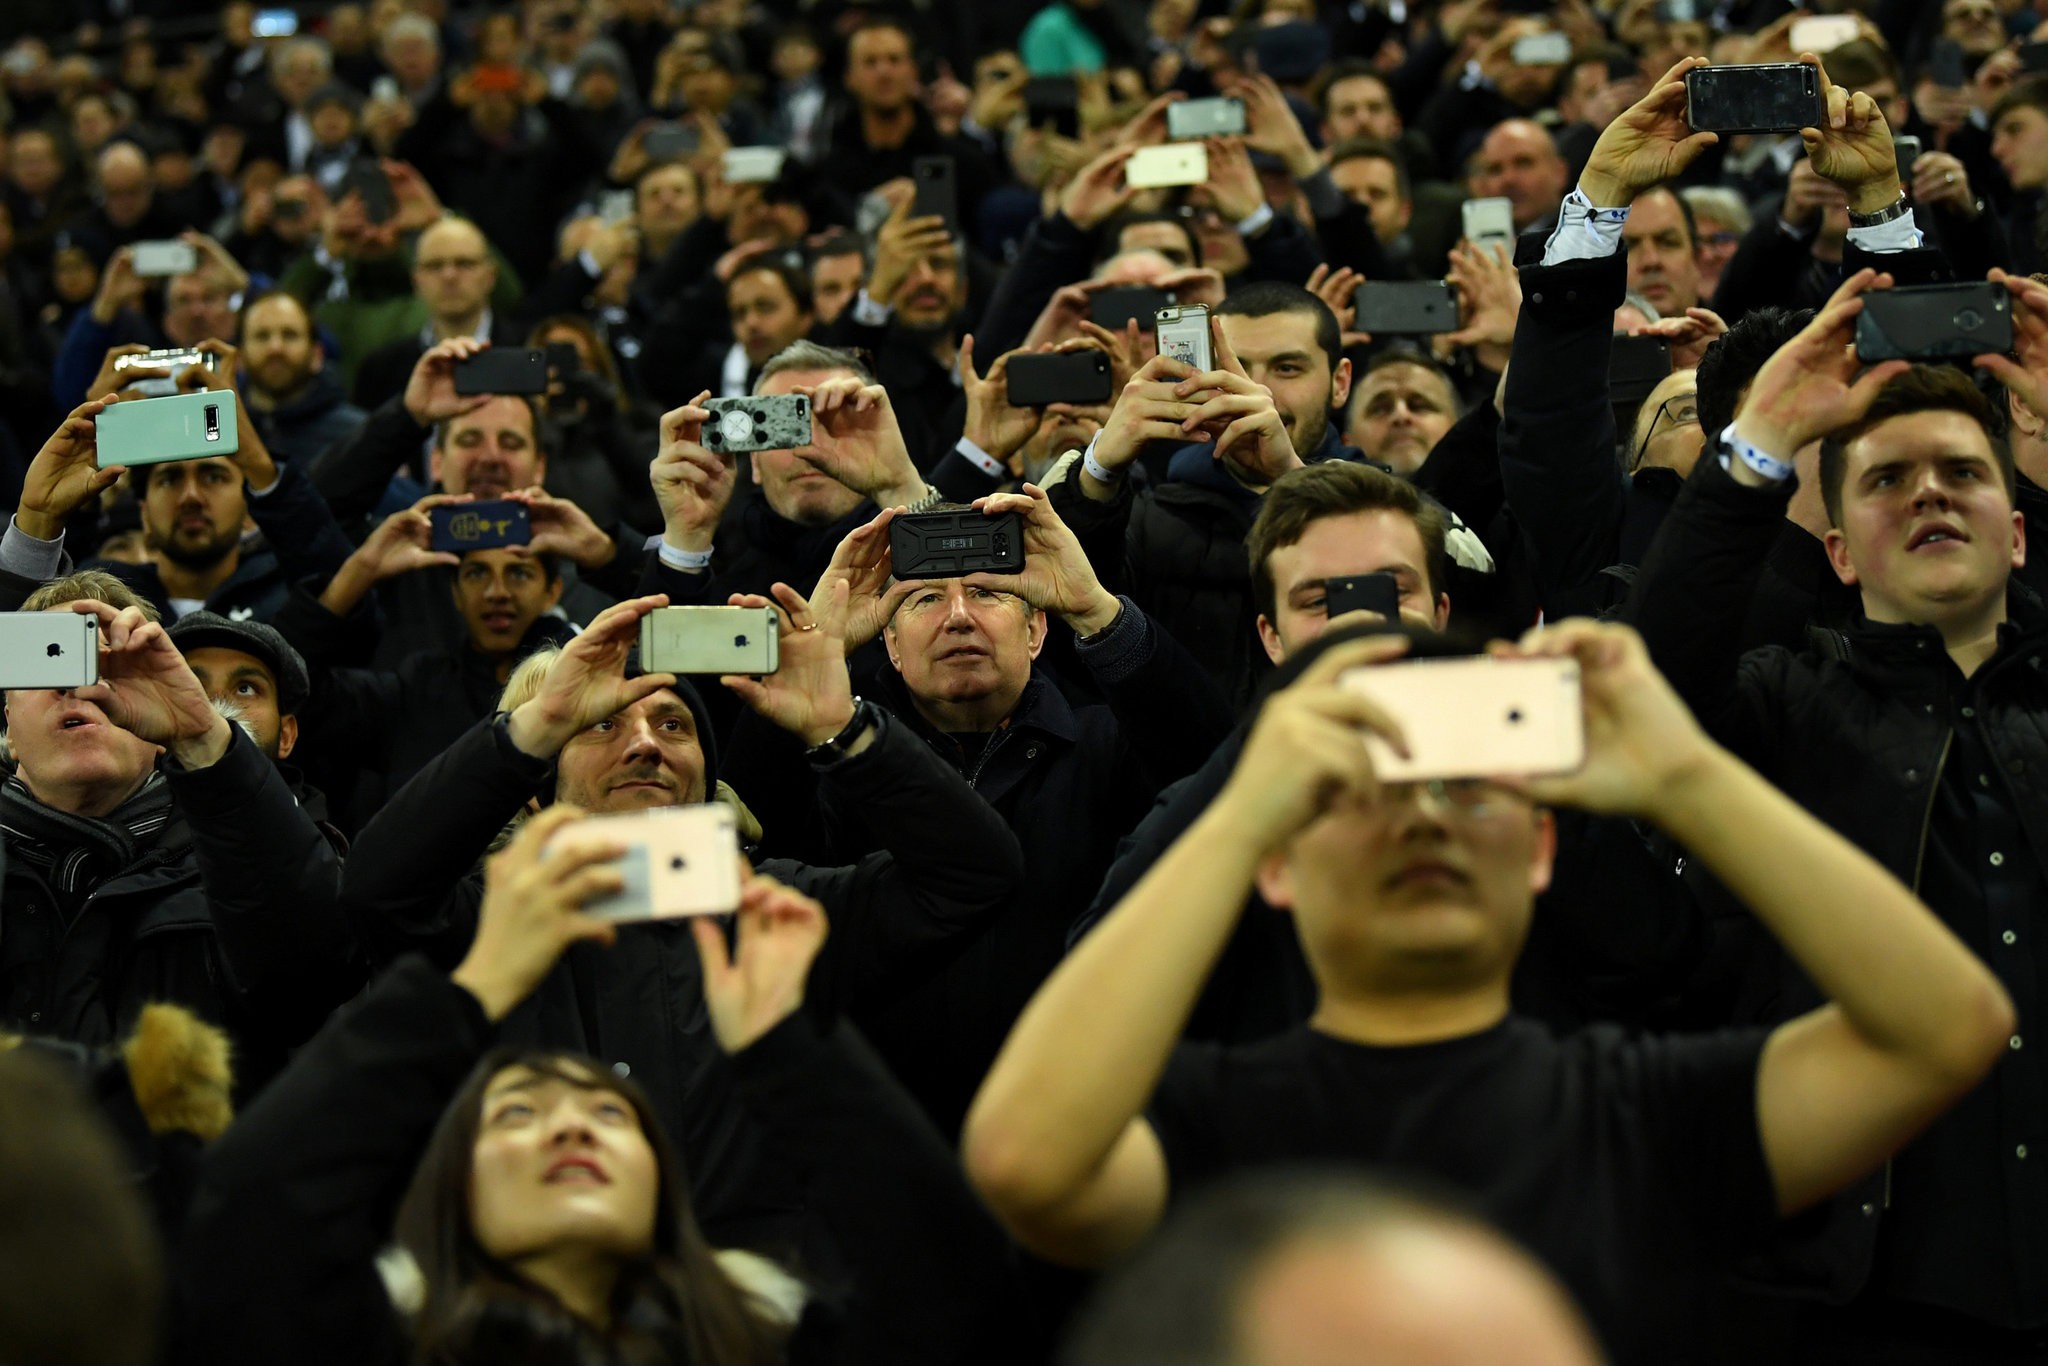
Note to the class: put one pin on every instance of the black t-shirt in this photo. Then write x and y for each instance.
(1631, 1165)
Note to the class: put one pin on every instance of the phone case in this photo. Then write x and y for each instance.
(1063, 377)
(1477, 717)
(1176, 163)
(1933, 322)
(1772, 97)
(155, 431)
(711, 640)
(1488, 220)
(1376, 592)
(1221, 116)
(767, 422)
(679, 861)
(479, 526)
(1112, 308)
(1541, 49)
(48, 650)
(946, 545)
(752, 165)
(503, 370)
(934, 194)
(1407, 308)
(1184, 335)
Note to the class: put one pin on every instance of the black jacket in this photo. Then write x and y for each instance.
(230, 909)
(296, 432)
(383, 374)
(298, 1198)
(413, 885)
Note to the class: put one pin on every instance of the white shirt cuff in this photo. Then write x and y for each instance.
(868, 313)
(1255, 222)
(1901, 234)
(269, 488)
(589, 264)
(981, 459)
(688, 561)
(1583, 233)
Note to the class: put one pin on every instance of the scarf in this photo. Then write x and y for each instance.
(73, 854)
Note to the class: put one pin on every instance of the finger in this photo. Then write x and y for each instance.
(712, 953)
(1352, 654)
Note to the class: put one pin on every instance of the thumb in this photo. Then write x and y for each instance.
(711, 953)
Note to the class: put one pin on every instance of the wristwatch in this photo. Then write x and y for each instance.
(866, 715)
(1891, 212)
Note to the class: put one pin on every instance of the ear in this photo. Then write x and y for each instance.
(1838, 555)
(1443, 610)
(2024, 419)
(889, 644)
(1270, 638)
(2019, 540)
(1036, 629)
(434, 462)
(555, 591)
(755, 466)
(287, 736)
(1340, 384)
(540, 462)
(1275, 881)
(1544, 860)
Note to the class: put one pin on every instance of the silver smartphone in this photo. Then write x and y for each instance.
(1184, 334)
(679, 861)
(1221, 116)
(176, 359)
(1175, 163)
(711, 640)
(752, 165)
(1476, 717)
(1489, 222)
(764, 422)
(170, 257)
(49, 650)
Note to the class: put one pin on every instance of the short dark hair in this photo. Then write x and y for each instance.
(1859, 64)
(1735, 357)
(1692, 227)
(1920, 389)
(534, 412)
(1264, 298)
(2028, 92)
(696, 181)
(1113, 232)
(773, 261)
(1350, 69)
(1403, 353)
(264, 296)
(1373, 149)
(1337, 488)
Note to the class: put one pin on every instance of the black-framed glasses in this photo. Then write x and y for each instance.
(1680, 410)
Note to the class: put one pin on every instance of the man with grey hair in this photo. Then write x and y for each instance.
(297, 69)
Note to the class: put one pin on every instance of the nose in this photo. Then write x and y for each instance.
(957, 615)
(640, 742)
(569, 1126)
(1928, 488)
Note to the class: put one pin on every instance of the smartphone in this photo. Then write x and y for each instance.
(711, 640)
(1184, 334)
(1678, 11)
(1054, 101)
(177, 360)
(1775, 97)
(936, 196)
(672, 141)
(945, 545)
(1406, 308)
(563, 359)
(1489, 221)
(273, 23)
(1476, 717)
(367, 179)
(1541, 49)
(1635, 366)
(1077, 376)
(765, 422)
(2033, 57)
(1376, 592)
(156, 431)
(384, 90)
(1947, 67)
(679, 861)
(752, 165)
(1114, 307)
(49, 650)
(1176, 163)
(1907, 148)
(615, 206)
(503, 370)
(479, 526)
(170, 257)
(1934, 322)
(1222, 116)
(1819, 33)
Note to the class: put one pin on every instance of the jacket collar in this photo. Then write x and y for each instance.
(1041, 707)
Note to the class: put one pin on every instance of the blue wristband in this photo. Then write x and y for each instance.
(1770, 467)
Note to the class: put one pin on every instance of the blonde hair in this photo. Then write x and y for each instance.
(88, 585)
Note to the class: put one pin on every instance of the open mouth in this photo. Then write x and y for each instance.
(579, 1170)
(1936, 533)
(500, 621)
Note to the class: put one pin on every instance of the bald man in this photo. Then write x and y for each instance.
(1517, 161)
(126, 189)
(453, 275)
(1308, 1270)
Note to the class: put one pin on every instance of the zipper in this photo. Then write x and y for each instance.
(995, 742)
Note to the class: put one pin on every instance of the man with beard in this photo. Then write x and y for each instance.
(294, 399)
(194, 513)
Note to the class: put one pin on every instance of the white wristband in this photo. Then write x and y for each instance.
(1770, 467)
(689, 561)
(971, 451)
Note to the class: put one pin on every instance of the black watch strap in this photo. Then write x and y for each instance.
(865, 715)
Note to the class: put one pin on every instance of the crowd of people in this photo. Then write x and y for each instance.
(1092, 995)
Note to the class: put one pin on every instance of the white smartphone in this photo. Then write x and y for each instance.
(615, 206)
(384, 89)
(1183, 332)
(1541, 49)
(711, 640)
(1820, 33)
(679, 861)
(752, 165)
(49, 650)
(1175, 163)
(1477, 717)
(168, 257)
(1489, 221)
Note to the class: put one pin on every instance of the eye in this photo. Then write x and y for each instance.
(245, 688)
(613, 1110)
(674, 725)
(604, 727)
(516, 1110)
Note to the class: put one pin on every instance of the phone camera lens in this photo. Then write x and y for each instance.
(1969, 320)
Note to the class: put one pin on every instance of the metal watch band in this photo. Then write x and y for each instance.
(1897, 209)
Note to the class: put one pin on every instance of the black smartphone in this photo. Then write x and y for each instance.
(1077, 376)
(1775, 97)
(1112, 308)
(1376, 592)
(1638, 364)
(563, 359)
(2033, 57)
(503, 370)
(1406, 308)
(1934, 322)
(945, 545)
(672, 141)
(479, 526)
(936, 197)
(1947, 67)
(367, 179)
(1054, 101)
(1907, 149)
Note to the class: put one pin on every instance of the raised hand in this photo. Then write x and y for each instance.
(1690, 336)
(1810, 386)
(148, 690)
(1648, 142)
(1339, 289)
(1490, 290)
(760, 983)
(1057, 576)
(692, 485)
(588, 681)
(63, 476)
(1270, 124)
(562, 528)
(403, 541)
(120, 287)
(2028, 377)
(811, 695)
(1239, 413)
(1151, 407)
(1855, 149)
(1098, 192)
(1233, 183)
(430, 392)
(862, 562)
(992, 423)
(900, 243)
(535, 889)
(866, 451)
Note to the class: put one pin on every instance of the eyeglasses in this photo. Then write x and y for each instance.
(1472, 797)
(437, 264)
(1682, 410)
